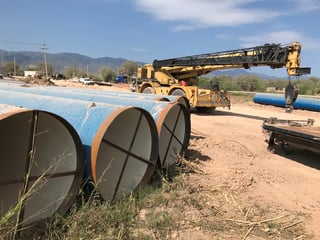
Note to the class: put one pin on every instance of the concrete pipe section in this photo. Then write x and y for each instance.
(121, 143)
(42, 164)
(172, 119)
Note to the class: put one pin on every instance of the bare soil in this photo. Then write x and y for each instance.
(246, 190)
(285, 183)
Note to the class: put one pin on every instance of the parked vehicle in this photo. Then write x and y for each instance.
(58, 76)
(86, 81)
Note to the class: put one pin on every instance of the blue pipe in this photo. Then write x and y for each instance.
(31, 146)
(145, 96)
(173, 120)
(133, 95)
(121, 143)
(306, 103)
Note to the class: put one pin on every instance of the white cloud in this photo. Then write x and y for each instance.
(194, 14)
(282, 37)
(305, 5)
(191, 14)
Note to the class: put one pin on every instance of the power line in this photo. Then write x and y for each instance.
(20, 43)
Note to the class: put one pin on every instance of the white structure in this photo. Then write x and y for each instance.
(30, 73)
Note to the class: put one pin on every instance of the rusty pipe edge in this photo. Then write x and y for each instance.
(174, 129)
(42, 158)
(124, 152)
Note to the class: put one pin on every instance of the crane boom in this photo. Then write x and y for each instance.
(272, 55)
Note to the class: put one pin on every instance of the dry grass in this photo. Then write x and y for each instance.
(176, 205)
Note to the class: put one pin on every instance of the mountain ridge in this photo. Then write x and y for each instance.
(63, 60)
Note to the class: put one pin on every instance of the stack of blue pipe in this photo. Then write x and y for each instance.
(124, 136)
(74, 106)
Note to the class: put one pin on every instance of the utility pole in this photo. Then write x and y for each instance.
(44, 48)
(14, 66)
(87, 70)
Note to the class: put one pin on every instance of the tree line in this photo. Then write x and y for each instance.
(253, 83)
(108, 74)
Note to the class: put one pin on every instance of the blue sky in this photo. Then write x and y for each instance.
(144, 30)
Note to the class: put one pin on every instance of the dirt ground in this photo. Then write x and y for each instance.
(233, 154)
(234, 142)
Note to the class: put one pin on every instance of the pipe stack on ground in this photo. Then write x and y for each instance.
(278, 100)
(172, 119)
(121, 143)
(133, 95)
(42, 165)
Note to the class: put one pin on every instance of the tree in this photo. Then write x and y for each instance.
(128, 68)
(41, 68)
(308, 86)
(107, 74)
(10, 68)
(71, 72)
(226, 82)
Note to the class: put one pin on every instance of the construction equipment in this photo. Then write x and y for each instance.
(179, 76)
(296, 133)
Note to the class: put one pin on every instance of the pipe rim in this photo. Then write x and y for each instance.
(164, 126)
(76, 174)
(99, 138)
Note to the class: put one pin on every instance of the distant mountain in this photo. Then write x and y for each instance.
(240, 71)
(62, 60)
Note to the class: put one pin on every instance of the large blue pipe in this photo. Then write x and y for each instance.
(121, 143)
(133, 95)
(306, 103)
(173, 120)
(37, 164)
(143, 96)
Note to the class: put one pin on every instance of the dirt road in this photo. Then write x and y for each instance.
(234, 143)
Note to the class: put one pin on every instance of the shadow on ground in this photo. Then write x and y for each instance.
(225, 113)
(305, 157)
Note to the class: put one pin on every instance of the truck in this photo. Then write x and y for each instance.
(179, 76)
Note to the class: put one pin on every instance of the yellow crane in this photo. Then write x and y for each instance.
(179, 76)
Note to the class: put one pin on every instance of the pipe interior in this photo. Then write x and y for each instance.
(52, 169)
(173, 135)
(127, 153)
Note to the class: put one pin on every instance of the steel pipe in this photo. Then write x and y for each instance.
(172, 119)
(143, 96)
(121, 143)
(129, 95)
(42, 165)
(306, 103)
